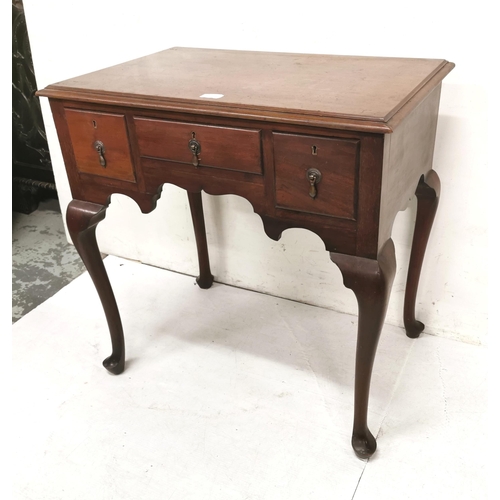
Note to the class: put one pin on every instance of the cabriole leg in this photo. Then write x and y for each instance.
(427, 202)
(205, 279)
(82, 218)
(371, 282)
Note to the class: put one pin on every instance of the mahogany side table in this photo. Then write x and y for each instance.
(333, 144)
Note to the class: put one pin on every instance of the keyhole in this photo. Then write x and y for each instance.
(94, 124)
(193, 135)
(314, 150)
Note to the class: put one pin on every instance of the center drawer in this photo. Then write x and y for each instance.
(217, 147)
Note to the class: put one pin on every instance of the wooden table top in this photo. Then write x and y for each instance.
(370, 89)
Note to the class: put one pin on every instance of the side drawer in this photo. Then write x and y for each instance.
(87, 130)
(336, 160)
(220, 147)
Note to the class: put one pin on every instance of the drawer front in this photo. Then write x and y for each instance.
(220, 147)
(88, 130)
(298, 159)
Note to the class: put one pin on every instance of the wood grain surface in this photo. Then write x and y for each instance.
(371, 89)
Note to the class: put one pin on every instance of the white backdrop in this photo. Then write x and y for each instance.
(72, 38)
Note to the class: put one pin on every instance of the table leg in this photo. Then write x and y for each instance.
(427, 202)
(82, 218)
(371, 282)
(205, 279)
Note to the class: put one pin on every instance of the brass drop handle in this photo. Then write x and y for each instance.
(195, 148)
(314, 177)
(99, 147)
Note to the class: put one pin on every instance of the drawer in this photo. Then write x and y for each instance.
(336, 160)
(88, 129)
(220, 147)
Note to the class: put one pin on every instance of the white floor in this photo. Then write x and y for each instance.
(230, 394)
